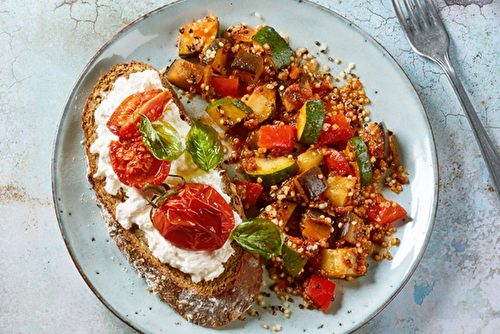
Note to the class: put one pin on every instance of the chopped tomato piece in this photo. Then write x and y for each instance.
(196, 219)
(124, 122)
(279, 136)
(226, 86)
(386, 212)
(295, 96)
(320, 290)
(335, 128)
(337, 162)
(249, 192)
(135, 165)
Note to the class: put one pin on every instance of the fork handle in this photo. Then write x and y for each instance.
(490, 153)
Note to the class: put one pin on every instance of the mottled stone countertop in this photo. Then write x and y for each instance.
(46, 44)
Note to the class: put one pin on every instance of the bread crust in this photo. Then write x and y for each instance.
(209, 304)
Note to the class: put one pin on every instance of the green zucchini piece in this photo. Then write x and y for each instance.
(310, 122)
(273, 171)
(228, 111)
(281, 52)
(293, 261)
(364, 165)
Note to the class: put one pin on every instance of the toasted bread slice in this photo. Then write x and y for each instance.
(207, 303)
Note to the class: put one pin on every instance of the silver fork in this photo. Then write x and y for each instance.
(428, 37)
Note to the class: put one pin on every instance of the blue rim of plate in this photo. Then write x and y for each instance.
(72, 96)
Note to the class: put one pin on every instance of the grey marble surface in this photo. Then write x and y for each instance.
(46, 44)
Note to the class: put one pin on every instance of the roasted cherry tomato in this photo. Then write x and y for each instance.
(135, 165)
(196, 219)
(125, 124)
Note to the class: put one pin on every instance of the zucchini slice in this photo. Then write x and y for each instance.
(262, 101)
(273, 171)
(310, 122)
(281, 52)
(228, 111)
(362, 165)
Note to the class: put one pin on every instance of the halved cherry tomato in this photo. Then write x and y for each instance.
(335, 128)
(320, 290)
(386, 211)
(135, 165)
(226, 86)
(249, 192)
(279, 136)
(337, 162)
(125, 124)
(196, 219)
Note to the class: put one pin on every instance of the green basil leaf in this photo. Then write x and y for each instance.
(204, 145)
(161, 139)
(260, 236)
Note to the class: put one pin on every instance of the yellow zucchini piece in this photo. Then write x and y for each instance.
(194, 36)
(309, 158)
(339, 188)
(227, 112)
(342, 263)
(262, 101)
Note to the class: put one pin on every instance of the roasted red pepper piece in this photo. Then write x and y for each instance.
(226, 86)
(279, 136)
(335, 128)
(337, 162)
(386, 211)
(320, 290)
(249, 192)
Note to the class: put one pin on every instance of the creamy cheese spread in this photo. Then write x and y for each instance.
(201, 265)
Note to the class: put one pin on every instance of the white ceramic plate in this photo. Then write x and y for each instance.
(152, 39)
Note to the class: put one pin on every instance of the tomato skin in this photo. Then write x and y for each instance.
(135, 165)
(337, 162)
(250, 191)
(277, 136)
(125, 124)
(335, 128)
(386, 212)
(197, 219)
(321, 291)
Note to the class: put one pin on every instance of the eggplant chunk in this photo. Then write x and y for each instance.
(353, 228)
(311, 183)
(376, 138)
(316, 225)
(184, 74)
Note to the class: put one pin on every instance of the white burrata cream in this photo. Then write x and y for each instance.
(201, 265)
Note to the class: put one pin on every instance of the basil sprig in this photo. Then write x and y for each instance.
(161, 139)
(204, 145)
(260, 236)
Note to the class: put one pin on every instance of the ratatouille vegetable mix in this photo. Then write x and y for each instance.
(311, 162)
